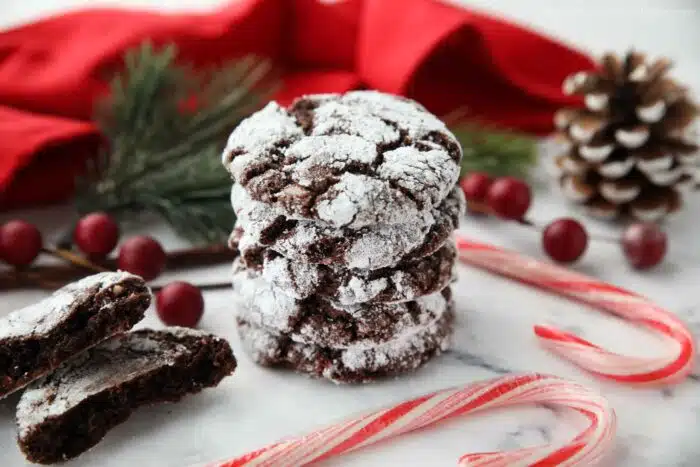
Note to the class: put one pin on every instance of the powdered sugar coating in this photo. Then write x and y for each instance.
(407, 114)
(296, 279)
(372, 247)
(346, 286)
(364, 357)
(358, 290)
(321, 322)
(352, 160)
(43, 317)
(333, 153)
(272, 307)
(359, 200)
(115, 361)
(361, 362)
(258, 134)
(408, 319)
(411, 169)
(337, 117)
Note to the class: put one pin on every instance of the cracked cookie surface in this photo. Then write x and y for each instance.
(69, 411)
(317, 321)
(351, 160)
(38, 338)
(352, 364)
(408, 281)
(372, 247)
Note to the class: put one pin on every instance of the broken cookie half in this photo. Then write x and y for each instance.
(37, 339)
(69, 411)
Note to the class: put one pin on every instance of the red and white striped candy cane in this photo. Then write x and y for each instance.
(673, 366)
(585, 449)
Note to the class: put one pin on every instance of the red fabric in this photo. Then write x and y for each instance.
(51, 71)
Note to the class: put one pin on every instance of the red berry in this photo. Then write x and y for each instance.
(564, 240)
(96, 234)
(143, 256)
(475, 186)
(644, 245)
(20, 242)
(509, 198)
(180, 304)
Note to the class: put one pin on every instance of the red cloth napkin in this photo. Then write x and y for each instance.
(445, 57)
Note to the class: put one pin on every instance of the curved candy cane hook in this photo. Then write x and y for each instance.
(672, 367)
(587, 448)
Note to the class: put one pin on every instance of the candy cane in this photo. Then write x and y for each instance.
(671, 367)
(586, 449)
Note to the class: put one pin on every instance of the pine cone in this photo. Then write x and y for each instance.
(631, 151)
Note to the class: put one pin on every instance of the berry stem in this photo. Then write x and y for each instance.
(72, 258)
(484, 209)
(31, 279)
(202, 287)
(61, 274)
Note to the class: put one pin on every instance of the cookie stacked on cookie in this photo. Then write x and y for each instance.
(345, 207)
(85, 371)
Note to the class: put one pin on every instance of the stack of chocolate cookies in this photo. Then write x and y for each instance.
(345, 208)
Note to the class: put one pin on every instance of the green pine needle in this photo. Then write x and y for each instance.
(496, 152)
(166, 125)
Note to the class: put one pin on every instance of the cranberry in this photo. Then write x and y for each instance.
(143, 256)
(180, 304)
(20, 242)
(96, 234)
(644, 245)
(475, 186)
(565, 240)
(509, 198)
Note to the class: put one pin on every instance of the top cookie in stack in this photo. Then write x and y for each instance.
(345, 208)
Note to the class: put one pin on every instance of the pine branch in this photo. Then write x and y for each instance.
(165, 125)
(496, 152)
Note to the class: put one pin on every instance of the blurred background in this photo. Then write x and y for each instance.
(668, 27)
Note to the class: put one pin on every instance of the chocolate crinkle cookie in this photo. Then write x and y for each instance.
(319, 321)
(352, 160)
(345, 208)
(38, 338)
(370, 247)
(407, 281)
(359, 362)
(69, 411)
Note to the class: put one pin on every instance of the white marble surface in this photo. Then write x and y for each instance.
(257, 406)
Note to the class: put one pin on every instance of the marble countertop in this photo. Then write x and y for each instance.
(657, 427)
(495, 316)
